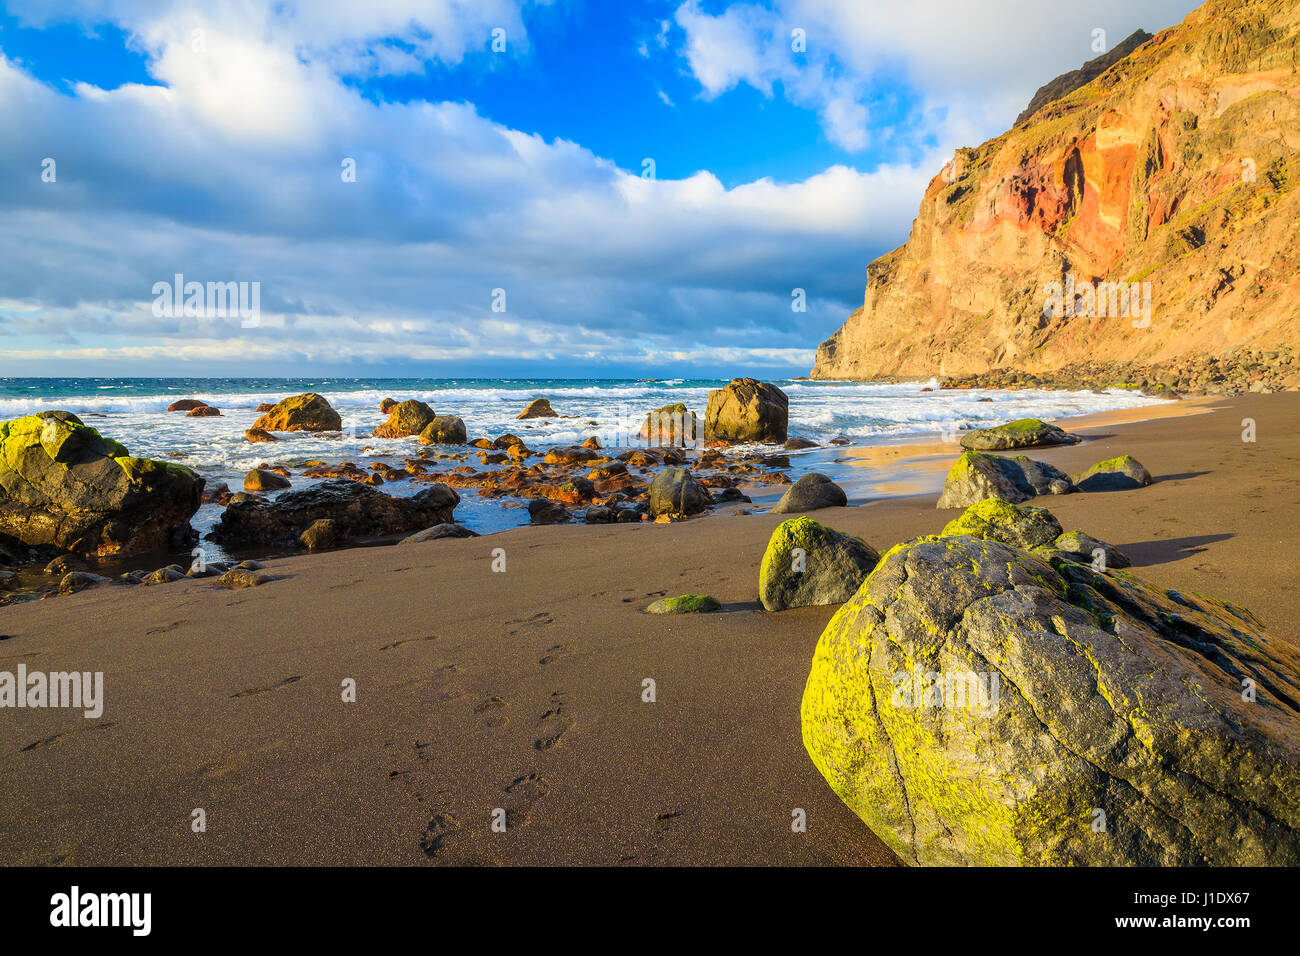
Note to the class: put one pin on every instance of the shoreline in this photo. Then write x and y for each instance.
(522, 690)
(839, 462)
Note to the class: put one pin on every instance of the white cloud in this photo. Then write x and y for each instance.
(231, 171)
(974, 66)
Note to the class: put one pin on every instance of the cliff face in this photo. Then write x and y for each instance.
(1175, 169)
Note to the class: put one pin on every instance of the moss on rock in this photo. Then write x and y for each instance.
(1023, 526)
(685, 604)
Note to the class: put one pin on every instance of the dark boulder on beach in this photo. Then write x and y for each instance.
(976, 476)
(811, 492)
(675, 492)
(1022, 433)
(747, 410)
(357, 510)
(439, 531)
(186, 405)
(974, 704)
(1124, 473)
(204, 411)
(308, 412)
(808, 564)
(80, 580)
(63, 484)
(545, 511)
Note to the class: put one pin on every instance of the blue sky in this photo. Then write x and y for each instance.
(501, 221)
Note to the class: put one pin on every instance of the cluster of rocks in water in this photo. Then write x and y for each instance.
(92, 499)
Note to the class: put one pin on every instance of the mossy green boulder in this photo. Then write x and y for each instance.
(976, 705)
(1022, 433)
(1022, 526)
(685, 604)
(1114, 474)
(976, 476)
(808, 564)
(65, 485)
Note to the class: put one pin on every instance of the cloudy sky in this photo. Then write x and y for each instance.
(486, 187)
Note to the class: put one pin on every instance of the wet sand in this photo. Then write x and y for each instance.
(522, 691)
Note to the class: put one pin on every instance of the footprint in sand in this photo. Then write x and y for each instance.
(407, 640)
(441, 828)
(554, 653)
(553, 724)
(37, 745)
(442, 677)
(540, 619)
(489, 710)
(521, 794)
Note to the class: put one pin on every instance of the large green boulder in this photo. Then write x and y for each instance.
(1114, 474)
(808, 564)
(747, 410)
(976, 705)
(1021, 526)
(976, 476)
(1022, 433)
(62, 484)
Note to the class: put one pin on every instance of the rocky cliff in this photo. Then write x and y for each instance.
(1145, 220)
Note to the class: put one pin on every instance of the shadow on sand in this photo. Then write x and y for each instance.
(1163, 551)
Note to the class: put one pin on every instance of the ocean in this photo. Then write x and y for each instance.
(133, 412)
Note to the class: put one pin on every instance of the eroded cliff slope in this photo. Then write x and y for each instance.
(1176, 167)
